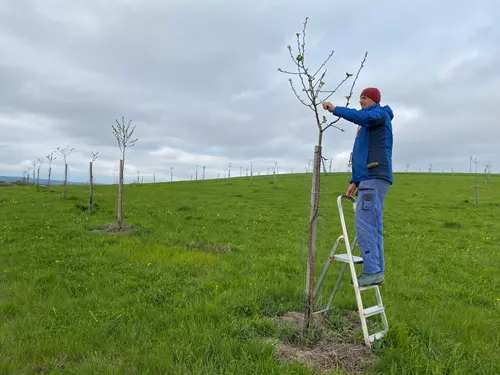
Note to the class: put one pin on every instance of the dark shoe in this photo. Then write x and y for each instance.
(366, 279)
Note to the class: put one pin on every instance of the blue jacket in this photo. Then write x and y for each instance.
(372, 152)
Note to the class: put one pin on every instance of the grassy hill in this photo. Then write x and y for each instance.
(197, 284)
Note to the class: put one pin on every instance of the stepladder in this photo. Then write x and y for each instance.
(348, 259)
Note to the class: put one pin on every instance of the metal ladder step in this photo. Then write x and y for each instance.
(361, 288)
(374, 310)
(344, 258)
(375, 336)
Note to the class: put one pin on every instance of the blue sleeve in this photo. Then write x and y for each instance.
(363, 118)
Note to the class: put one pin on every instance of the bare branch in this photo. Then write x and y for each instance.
(348, 97)
(332, 124)
(324, 63)
(319, 83)
(298, 97)
(356, 78)
(123, 134)
(50, 157)
(287, 72)
(65, 152)
(336, 88)
(304, 37)
(94, 155)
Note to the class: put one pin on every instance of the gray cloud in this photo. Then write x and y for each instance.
(200, 81)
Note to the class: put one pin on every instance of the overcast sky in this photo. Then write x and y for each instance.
(199, 80)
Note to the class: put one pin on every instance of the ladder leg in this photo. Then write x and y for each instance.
(327, 265)
(337, 284)
(379, 302)
(344, 267)
(357, 292)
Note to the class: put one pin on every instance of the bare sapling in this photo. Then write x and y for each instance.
(50, 158)
(275, 172)
(349, 165)
(251, 174)
(39, 162)
(476, 187)
(34, 164)
(229, 171)
(312, 83)
(406, 173)
(65, 152)
(123, 134)
(91, 181)
(487, 171)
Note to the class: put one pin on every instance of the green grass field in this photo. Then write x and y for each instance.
(194, 287)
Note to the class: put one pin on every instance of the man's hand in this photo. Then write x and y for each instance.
(351, 189)
(327, 106)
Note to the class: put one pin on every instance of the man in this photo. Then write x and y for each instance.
(371, 175)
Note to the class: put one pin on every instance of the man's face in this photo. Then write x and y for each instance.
(365, 102)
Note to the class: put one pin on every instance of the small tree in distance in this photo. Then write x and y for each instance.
(65, 152)
(487, 171)
(39, 163)
(34, 164)
(50, 158)
(122, 133)
(312, 85)
(476, 187)
(91, 180)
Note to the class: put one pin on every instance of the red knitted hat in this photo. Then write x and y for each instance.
(372, 93)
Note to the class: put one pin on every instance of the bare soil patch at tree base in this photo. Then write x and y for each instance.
(330, 352)
(113, 228)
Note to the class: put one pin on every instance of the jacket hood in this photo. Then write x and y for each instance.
(385, 108)
(389, 111)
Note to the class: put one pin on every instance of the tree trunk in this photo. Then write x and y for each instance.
(38, 179)
(313, 222)
(50, 172)
(251, 174)
(33, 182)
(91, 181)
(120, 197)
(476, 187)
(65, 180)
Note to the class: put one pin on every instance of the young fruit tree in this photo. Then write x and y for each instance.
(65, 152)
(275, 172)
(122, 133)
(91, 180)
(50, 158)
(476, 187)
(312, 83)
(487, 171)
(34, 164)
(39, 162)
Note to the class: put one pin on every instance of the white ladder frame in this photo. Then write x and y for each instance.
(351, 260)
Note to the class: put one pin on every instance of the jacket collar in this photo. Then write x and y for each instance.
(376, 105)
